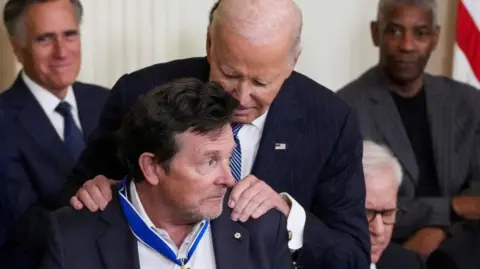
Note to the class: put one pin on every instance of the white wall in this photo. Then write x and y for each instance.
(120, 36)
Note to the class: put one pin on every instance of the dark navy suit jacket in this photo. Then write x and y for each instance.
(103, 240)
(321, 166)
(37, 164)
(397, 257)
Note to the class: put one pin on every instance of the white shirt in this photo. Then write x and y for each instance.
(48, 101)
(249, 137)
(203, 257)
(373, 266)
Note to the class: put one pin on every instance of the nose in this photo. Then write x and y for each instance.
(407, 42)
(242, 92)
(377, 227)
(227, 178)
(60, 49)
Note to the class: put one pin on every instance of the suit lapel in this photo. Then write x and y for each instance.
(117, 245)
(35, 122)
(277, 145)
(389, 122)
(441, 120)
(230, 252)
(85, 111)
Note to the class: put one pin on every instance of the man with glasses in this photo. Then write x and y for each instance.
(383, 176)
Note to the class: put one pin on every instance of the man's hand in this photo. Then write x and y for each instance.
(251, 198)
(95, 194)
(425, 241)
(467, 207)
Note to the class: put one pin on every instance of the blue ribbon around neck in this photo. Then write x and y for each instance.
(148, 236)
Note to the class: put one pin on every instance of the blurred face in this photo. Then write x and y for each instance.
(406, 37)
(199, 175)
(252, 73)
(381, 196)
(50, 52)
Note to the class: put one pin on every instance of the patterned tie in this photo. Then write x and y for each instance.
(236, 160)
(72, 136)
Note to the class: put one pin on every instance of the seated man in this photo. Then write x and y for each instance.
(431, 123)
(383, 175)
(176, 142)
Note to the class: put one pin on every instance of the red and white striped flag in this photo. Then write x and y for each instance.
(466, 63)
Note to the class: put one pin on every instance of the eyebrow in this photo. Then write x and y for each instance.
(53, 34)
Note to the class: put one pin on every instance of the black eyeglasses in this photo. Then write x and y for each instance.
(388, 216)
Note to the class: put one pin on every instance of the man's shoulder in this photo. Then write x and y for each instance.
(74, 224)
(458, 94)
(314, 98)
(454, 87)
(91, 88)
(95, 92)
(397, 254)
(358, 86)
(71, 221)
(189, 67)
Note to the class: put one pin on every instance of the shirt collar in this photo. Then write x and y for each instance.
(47, 100)
(259, 122)
(137, 204)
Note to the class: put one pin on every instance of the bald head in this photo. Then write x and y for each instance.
(259, 21)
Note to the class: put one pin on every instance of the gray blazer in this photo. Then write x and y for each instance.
(453, 112)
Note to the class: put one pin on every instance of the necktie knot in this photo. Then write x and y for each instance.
(64, 109)
(236, 128)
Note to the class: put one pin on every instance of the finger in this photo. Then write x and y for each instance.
(261, 210)
(96, 195)
(105, 189)
(258, 201)
(246, 198)
(86, 199)
(75, 203)
(237, 191)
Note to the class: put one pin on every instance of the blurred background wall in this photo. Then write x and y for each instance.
(120, 36)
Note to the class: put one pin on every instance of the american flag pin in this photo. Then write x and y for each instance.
(280, 146)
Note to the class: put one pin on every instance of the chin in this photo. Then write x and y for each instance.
(213, 212)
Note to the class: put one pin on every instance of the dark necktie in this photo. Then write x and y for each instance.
(236, 160)
(72, 136)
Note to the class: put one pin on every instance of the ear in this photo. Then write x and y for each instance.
(374, 32)
(151, 170)
(18, 49)
(436, 36)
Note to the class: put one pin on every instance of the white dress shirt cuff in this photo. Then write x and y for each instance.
(295, 223)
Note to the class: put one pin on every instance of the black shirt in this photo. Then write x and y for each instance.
(413, 112)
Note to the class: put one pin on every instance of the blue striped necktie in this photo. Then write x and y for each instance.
(236, 160)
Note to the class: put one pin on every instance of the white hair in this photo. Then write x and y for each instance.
(384, 7)
(376, 157)
(261, 21)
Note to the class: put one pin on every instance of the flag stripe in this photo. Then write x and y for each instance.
(468, 38)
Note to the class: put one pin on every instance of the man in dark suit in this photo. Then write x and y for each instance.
(171, 209)
(49, 115)
(383, 176)
(299, 148)
(431, 123)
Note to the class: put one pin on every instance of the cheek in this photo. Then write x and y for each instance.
(264, 97)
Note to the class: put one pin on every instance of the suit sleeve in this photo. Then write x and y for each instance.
(283, 257)
(336, 230)
(100, 154)
(53, 257)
